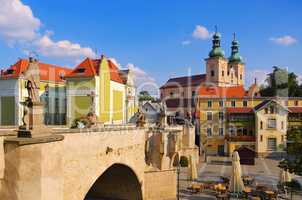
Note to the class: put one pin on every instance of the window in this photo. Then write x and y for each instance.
(233, 103)
(209, 131)
(271, 144)
(272, 109)
(182, 94)
(266, 110)
(240, 76)
(212, 73)
(221, 104)
(232, 130)
(209, 116)
(228, 73)
(261, 125)
(244, 103)
(282, 125)
(222, 73)
(271, 123)
(261, 138)
(80, 70)
(221, 131)
(209, 104)
(171, 94)
(221, 116)
(193, 93)
(296, 103)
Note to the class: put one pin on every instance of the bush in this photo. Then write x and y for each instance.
(184, 161)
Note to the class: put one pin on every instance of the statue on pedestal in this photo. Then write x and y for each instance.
(33, 118)
(141, 119)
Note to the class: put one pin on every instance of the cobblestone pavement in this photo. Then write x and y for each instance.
(265, 172)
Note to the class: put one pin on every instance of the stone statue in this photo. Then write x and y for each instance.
(162, 116)
(141, 119)
(32, 78)
(32, 91)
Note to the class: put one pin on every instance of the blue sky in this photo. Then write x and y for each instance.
(155, 37)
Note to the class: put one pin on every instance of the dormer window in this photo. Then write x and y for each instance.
(10, 71)
(80, 70)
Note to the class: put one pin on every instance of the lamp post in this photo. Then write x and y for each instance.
(178, 179)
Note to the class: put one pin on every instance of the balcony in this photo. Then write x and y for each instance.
(240, 138)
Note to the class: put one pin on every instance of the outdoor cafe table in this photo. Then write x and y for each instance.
(222, 196)
(270, 193)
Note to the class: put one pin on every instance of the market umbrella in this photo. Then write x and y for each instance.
(288, 177)
(236, 183)
(282, 176)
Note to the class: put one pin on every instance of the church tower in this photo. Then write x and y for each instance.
(217, 64)
(236, 65)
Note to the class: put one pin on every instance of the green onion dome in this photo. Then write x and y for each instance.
(235, 56)
(216, 49)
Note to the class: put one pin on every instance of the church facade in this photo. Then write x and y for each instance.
(232, 115)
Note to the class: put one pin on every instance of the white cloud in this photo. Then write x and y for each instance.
(259, 74)
(143, 81)
(186, 42)
(18, 24)
(284, 40)
(61, 49)
(17, 21)
(201, 32)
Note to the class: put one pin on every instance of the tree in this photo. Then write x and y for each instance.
(281, 83)
(145, 96)
(293, 162)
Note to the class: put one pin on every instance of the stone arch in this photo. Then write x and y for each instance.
(118, 182)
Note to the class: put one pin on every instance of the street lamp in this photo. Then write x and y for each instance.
(178, 179)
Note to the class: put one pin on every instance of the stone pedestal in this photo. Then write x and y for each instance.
(35, 122)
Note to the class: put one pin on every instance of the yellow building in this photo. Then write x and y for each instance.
(98, 86)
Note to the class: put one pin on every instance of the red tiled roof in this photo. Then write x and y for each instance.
(114, 72)
(185, 81)
(48, 72)
(295, 109)
(90, 68)
(239, 110)
(222, 92)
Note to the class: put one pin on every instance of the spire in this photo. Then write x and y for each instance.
(216, 49)
(235, 56)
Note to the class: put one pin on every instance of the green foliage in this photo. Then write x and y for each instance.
(145, 96)
(293, 162)
(281, 83)
(83, 120)
(184, 161)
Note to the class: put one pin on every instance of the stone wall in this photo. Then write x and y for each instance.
(160, 185)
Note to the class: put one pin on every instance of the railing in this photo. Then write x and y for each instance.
(241, 138)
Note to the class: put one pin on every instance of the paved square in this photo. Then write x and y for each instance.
(265, 172)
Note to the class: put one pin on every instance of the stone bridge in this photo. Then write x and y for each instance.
(108, 163)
